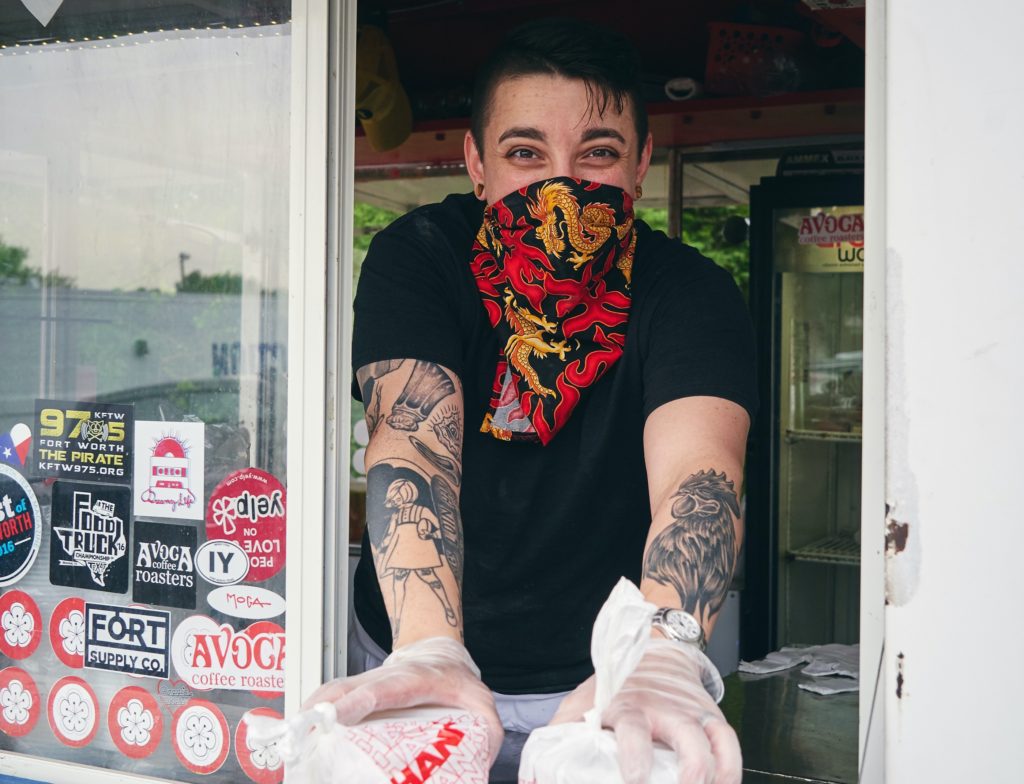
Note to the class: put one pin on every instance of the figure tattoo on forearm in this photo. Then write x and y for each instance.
(696, 553)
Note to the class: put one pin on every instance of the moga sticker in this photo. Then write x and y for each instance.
(73, 711)
(200, 735)
(169, 469)
(164, 572)
(19, 702)
(21, 623)
(91, 441)
(248, 507)
(67, 632)
(89, 545)
(222, 562)
(132, 640)
(208, 655)
(135, 722)
(246, 601)
(261, 762)
(20, 526)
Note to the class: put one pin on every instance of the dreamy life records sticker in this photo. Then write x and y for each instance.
(126, 639)
(20, 526)
(209, 655)
(261, 762)
(169, 469)
(21, 625)
(246, 601)
(164, 572)
(135, 722)
(19, 702)
(89, 545)
(201, 737)
(73, 711)
(84, 440)
(222, 562)
(248, 507)
(67, 632)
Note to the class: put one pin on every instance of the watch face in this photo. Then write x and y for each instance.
(684, 624)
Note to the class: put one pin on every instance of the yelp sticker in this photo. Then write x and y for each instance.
(248, 508)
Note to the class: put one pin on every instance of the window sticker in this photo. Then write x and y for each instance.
(169, 469)
(15, 445)
(20, 526)
(73, 711)
(89, 546)
(19, 702)
(201, 736)
(261, 762)
(248, 507)
(67, 632)
(135, 722)
(21, 625)
(77, 440)
(172, 694)
(132, 640)
(210, 655)
(164, 572)
(222, 562)
(246, 601)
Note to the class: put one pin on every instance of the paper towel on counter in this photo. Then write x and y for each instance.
(821, 661)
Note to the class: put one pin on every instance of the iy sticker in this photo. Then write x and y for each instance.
(89, 546)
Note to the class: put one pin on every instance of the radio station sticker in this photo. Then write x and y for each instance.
(169, 469)
(261, 762)
(201, 736)
(222, 562)
(15, 445)
(248, 507)
(246, 601)
(67, 632)
(73, 711)
(89, 545)
(20, 526)
(78, 440)
(210, 655)
(135, 722)
(131, 640)
(164, 573)
(19, 702)
(21, 625)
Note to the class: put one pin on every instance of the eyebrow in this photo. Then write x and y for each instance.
(523, 133)
(602, 133)
(536, 135)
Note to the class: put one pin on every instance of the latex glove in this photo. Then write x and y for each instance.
(432, 671)
(665, 699)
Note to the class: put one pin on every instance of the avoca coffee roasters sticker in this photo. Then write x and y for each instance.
(20, 526)
(248, 508)
(210, 655)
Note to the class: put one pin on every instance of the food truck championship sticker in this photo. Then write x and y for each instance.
(169, 469)
(19, 702)
(67, 632)
(21, 625)
(164, 572)
(20, 526)
(210, 655)
(135, 722)
(248, 507)
(261, 762)
(89, 545)
(132, 640)
(73, 711)
(90, 441)
(201, 736)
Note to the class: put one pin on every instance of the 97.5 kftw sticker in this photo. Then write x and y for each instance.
(248, 508)
(84, 440)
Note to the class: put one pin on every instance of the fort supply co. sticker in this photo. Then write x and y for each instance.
(261, 762)
(164, 573)
(89, 546)
(246, 601)
(67, 632)
(132, 640)
(208, 655)
(135, 722)
(19, 702)
(169, 469)
(21, 625)
(222, 562)
(73, 711)
(201, 737)
(248, 507)
(91, 441)
(20, 526)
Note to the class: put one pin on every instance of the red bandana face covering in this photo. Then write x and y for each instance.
(553, 262)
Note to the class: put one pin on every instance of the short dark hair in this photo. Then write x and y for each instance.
(603, 59)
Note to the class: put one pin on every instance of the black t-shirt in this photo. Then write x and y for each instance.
(548, 529)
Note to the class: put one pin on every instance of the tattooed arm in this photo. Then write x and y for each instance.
(414, 469)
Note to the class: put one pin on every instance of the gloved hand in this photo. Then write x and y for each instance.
(432, 671)
(665, 699)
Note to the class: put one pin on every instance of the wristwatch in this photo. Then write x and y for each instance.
(679, 625)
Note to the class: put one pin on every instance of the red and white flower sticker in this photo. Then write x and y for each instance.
(201, 737)
(67, 632)
(248, 508)
(135, 722)
(73, 711)
(261, 762)
(19, 702)
(21, 625)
